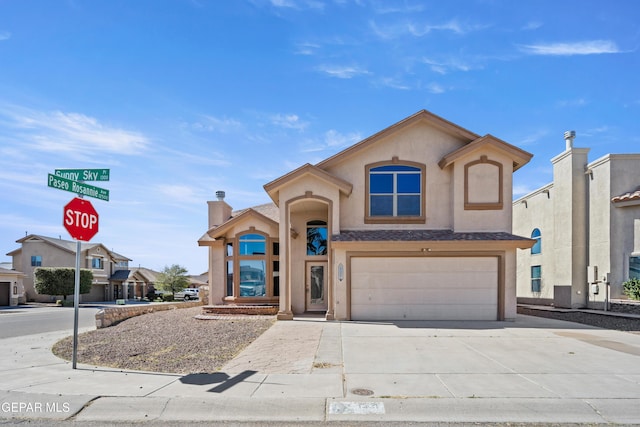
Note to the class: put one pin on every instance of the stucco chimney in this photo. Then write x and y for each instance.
(219, 210)
(569, 136)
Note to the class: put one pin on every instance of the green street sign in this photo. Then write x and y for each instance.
(83, 174)
(78, 187)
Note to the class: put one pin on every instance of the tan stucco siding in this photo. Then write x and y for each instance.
(417, 143)
(489, 218)
(535, 211)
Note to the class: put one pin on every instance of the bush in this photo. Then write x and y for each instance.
(632, 288)
(167, 297)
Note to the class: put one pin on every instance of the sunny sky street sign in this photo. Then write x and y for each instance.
(83, 174)
(77, 187)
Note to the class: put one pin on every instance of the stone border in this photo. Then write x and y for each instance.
(114, 315)
(263, 310)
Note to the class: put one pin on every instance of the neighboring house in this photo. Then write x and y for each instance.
(586, 224)
(41, 251)
(413, 222)
(138, 282)
(11, 287)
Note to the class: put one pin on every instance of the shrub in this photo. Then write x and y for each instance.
(167, 297)
(632, 288)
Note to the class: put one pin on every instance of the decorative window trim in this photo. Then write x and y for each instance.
(235, 259)
(368, 219)
(485, 205)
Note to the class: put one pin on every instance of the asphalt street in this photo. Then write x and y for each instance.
(34, 319)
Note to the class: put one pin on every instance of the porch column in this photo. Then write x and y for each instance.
(285, 312)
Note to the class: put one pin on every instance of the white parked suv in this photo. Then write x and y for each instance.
(188, 294)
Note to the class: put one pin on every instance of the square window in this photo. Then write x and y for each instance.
(36, 261)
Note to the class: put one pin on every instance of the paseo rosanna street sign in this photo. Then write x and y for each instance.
(56, 181)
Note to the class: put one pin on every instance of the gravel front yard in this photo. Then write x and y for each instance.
(170, 341)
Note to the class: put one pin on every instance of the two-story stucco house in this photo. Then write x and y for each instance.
(41, 251)
(586, 224)
(411, 223)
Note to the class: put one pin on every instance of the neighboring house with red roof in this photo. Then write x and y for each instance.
(411, 223)
(586, 224)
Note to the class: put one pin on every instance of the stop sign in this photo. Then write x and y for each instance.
(80, 219)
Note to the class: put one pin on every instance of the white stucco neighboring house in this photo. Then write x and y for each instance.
(411, 223)
(586, 224)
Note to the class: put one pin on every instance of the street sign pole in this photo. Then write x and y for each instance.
(76, 307)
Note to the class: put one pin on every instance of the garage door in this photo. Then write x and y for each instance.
(421, 288)
(5, 288)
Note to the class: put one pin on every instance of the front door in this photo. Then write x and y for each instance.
(316, 286)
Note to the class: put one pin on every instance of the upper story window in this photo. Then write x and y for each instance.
(252, 244)
(122, 264)
(395, 191)
(36, 260)
(537, 236)
(316, 238)
(97, 263)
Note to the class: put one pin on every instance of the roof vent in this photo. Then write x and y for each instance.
(220, 195)
(569, 136)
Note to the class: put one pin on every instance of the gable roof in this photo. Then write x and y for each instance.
(274, 186)
(267, 213)
(420, 116)
(68, 245)
(519, 156)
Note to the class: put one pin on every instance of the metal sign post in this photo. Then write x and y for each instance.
(76, 307)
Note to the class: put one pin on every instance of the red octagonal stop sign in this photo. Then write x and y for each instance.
(80, 219)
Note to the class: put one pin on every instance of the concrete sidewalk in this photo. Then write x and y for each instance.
(533, 370)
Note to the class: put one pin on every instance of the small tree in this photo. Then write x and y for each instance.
(61, 280)
(632, 288)
(173, 279)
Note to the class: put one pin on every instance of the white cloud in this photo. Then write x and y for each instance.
(532, 138)
(332, 139)
(447, 65)
(579, 102)
(297, 4)
(421, 29)
(393, 83)
(5, 35)
(57, 131)
(211, 123)
(435, 88)
(591, 47)
(306, 48)
(342, 71)
(289, 121)
(532, 25)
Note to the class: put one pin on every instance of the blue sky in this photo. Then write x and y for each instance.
(182, 98)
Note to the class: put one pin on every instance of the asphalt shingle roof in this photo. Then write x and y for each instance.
(420, 235)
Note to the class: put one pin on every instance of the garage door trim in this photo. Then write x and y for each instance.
(445, 254)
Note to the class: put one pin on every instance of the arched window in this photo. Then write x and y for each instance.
(316, 238)
(537, 236)
(252, 265)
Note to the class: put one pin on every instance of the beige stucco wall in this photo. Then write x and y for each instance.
(417, 143)
(482, 219)
(535, 211)
(581, 227)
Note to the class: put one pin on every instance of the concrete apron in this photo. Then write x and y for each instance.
(530, 370)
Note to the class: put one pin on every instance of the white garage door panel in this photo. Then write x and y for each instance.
(439, 288)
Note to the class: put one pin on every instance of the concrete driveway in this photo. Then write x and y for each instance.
(531, 370)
